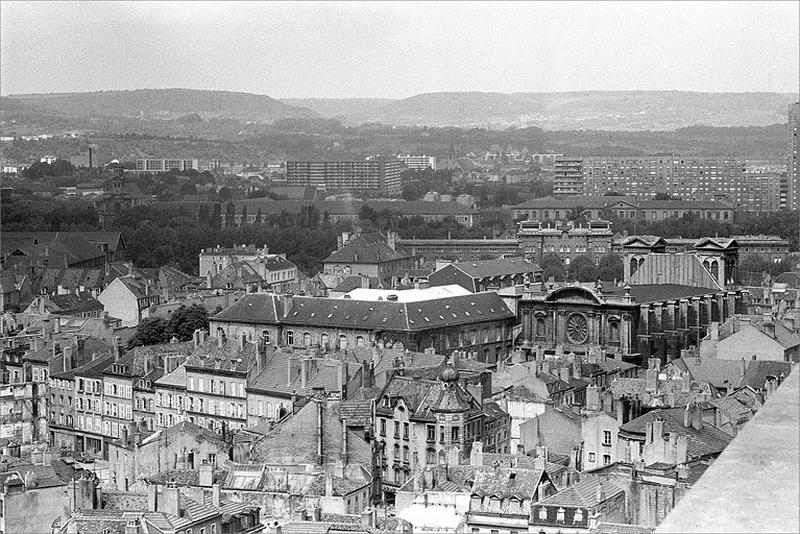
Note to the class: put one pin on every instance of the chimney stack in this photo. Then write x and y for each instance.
(117, 348)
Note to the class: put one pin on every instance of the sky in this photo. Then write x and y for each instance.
(398, 49)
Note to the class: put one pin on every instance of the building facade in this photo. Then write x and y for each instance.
(377, 175)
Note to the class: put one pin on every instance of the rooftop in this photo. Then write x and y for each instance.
(753, 485)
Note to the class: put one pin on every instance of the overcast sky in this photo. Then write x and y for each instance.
(398, 49)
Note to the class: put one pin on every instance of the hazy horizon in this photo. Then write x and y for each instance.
(397, 50)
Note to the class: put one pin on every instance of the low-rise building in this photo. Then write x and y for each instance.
(487, 275)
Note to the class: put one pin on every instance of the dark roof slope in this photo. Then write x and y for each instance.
(397, 316)
(366, 248)
(260, 308)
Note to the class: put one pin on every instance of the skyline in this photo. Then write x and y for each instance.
(397, 50)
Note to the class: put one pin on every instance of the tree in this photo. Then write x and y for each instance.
(583, 269)
(552, 267)
(150, 331)
(185, 320)
(610, 267)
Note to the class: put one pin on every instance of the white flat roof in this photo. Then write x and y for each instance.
(408, 295)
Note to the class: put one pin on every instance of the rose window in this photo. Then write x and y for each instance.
(577, 328)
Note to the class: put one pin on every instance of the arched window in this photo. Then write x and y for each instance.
(342, 341)
(578, 517)
(540, 328)
(442, 458)
(613, 332)
(265, 335)
(634, 265)
(542, 512)
(290, 337)
(560, 515)
(430, 456)
(306, 339)
(324, 339)
(360, 341)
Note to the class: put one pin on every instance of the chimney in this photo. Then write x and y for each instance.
(366, 519)
(117, 348)
(593, 398)
(134, 525)
(682, 450)
(243, 343)
(743, 369)
(170, 501)
(209, 283)
(328, 485)
(476, 454)
(686, 383)
(206, 475)
(152, 498)
(697, 417)
(658, 429)
(66, 355)
(216, 495)
(651, 379)
(687, 416)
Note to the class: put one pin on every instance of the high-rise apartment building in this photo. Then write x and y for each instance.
(792, 171)
(568, 175)
(418, 162)
(373, 176)
(164, 165)
(687, 177)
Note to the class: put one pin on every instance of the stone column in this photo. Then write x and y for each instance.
(625, 333)
(721, 306)
(657, 324)
(697, 320)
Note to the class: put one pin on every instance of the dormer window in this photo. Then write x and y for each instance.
(386, 402)
(543, 513)
(578, 517)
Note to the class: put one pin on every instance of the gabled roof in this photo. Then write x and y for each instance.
(366, 249)
(584, 494)
(706, 441)
(758, 371)
(397, 316)
(259, 308)
(507, 482)
(497, 267)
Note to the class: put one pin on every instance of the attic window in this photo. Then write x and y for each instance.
(441, 317)
(427, 320)
(312, 315)
(295, 314)
(472, 304)
(385, 319)
(467, 313)
(491, 310)
(512, 476)
(447, 306)
(330, 315)
(454, 315)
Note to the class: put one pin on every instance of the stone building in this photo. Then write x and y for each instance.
(424, 422)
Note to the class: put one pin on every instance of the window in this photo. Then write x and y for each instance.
(560, 515)
(607, 438)
(592, 457)
(431, 432)
(383, 427)
(455, 433)
(405, 453)
(342, 341)
(430, 456)
(289, 337)
(578, 517)
(360, 341)
(441, 434)
(306, 339)
(606, 459)
(542, 512)
(396, 429)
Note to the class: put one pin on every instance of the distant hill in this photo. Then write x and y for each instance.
(339, 108)
(166, 104)
(590, 110)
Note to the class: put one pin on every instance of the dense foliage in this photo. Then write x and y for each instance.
(181, 325)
